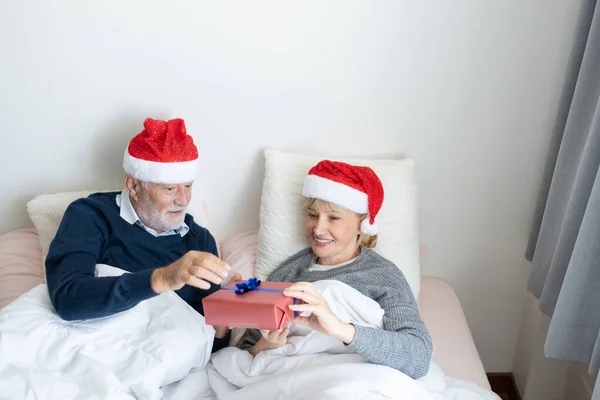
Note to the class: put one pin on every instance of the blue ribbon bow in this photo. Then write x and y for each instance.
(246, 286)
(252, 284)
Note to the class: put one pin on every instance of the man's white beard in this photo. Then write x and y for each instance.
(152, 218)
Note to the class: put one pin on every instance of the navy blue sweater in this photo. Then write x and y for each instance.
(93, 232)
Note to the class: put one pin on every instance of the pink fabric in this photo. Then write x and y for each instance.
(455, 350)
(21, 267)
(239, 251)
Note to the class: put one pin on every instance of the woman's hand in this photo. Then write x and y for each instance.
(270, 340)
(275, 338)
(322, 319)
(221, 331)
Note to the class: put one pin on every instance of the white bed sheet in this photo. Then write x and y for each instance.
(455, 350)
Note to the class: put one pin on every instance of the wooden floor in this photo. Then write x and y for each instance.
(503, 384)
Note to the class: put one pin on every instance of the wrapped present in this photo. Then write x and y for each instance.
(250, 304)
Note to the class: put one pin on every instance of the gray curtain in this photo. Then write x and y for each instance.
(565, 242)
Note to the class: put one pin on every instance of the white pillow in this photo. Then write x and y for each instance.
(281, 232)
(46, 212)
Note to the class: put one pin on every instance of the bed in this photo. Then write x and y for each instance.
(455, 351)
(165, 352)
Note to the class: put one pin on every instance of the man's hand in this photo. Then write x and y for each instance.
(236, 277)
(195, 268)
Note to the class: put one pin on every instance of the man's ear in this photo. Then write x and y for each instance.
(133, 186)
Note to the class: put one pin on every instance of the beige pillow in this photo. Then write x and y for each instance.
(46, 212)
(281, 232)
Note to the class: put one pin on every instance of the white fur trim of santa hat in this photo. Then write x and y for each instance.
(345, 196)
(337, 193)
(160, 172)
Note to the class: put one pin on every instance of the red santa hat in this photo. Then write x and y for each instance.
(353, 187)
(162, 153)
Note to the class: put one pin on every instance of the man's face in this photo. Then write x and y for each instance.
(162, 206)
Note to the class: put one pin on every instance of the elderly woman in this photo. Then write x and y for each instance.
(342, 203)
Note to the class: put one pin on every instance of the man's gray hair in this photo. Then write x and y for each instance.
(143, 184)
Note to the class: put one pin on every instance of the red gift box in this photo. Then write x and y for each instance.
(264, 307)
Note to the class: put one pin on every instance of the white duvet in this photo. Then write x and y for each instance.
(160, 349)
(126, 356)
(314, 366)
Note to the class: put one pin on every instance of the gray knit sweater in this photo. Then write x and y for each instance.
(404, 343)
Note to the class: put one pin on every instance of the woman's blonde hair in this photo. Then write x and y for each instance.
(365, 241)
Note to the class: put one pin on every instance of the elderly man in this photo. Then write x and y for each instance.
(143, 230)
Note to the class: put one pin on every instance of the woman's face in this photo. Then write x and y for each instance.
(332, 232)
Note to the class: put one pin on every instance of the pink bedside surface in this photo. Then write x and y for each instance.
(455, 351)
(21, 266)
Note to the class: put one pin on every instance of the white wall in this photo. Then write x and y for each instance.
(538, 377)
(579, 384)
(467, 88)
